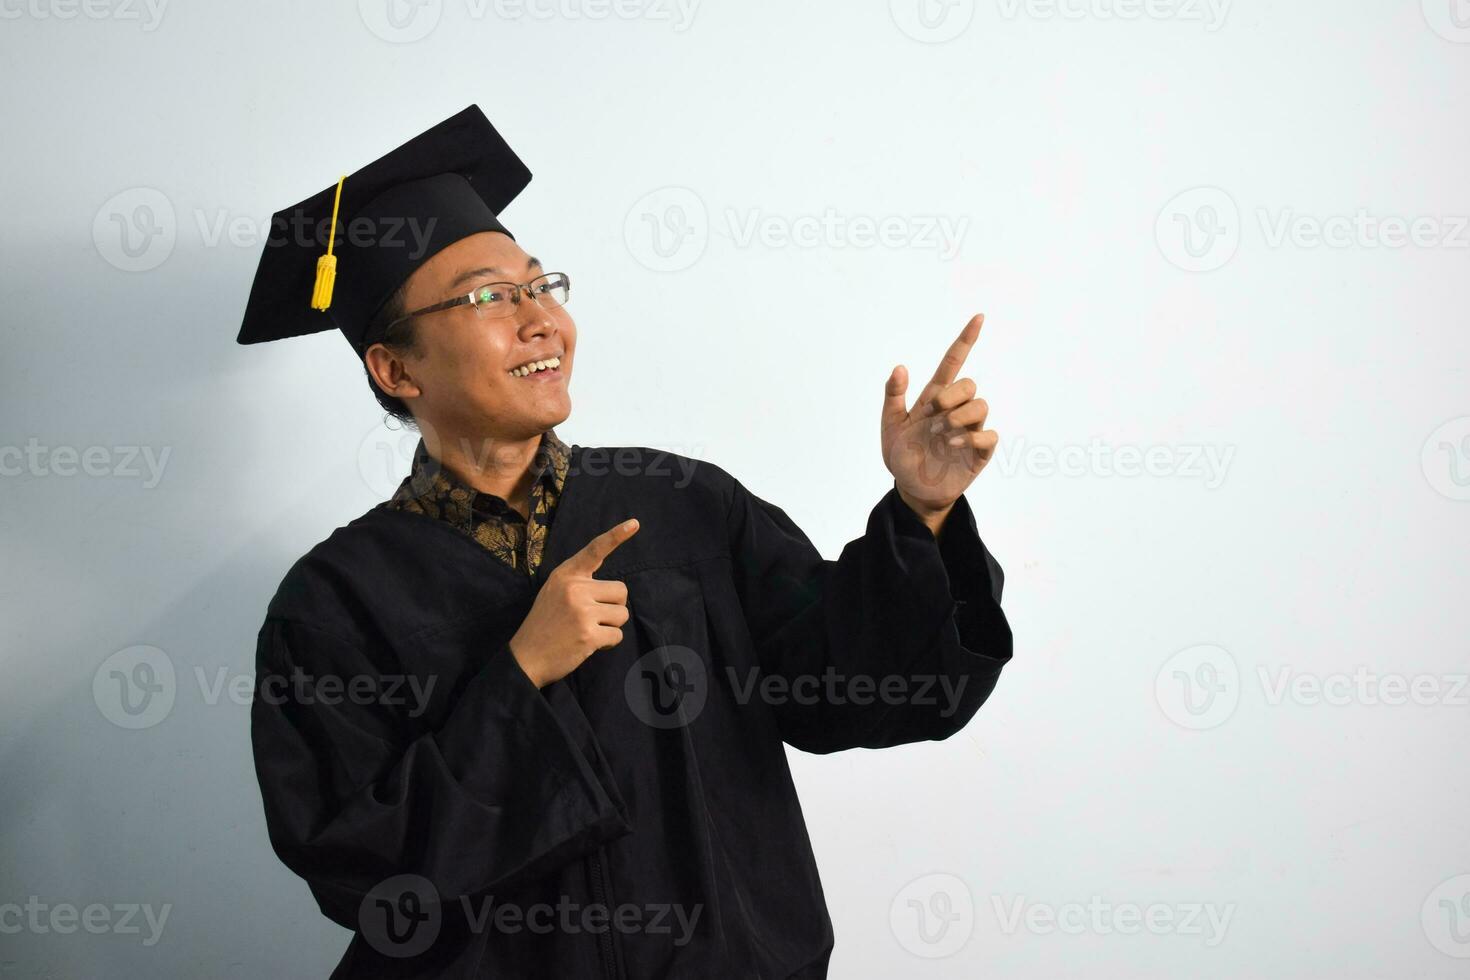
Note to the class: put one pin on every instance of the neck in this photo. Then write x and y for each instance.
(489, 463)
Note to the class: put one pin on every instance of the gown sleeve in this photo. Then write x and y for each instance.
(504, 789)
(901, 639)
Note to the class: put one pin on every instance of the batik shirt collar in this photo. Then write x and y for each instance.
(431, 489)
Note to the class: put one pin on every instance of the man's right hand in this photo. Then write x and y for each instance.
(574, 614)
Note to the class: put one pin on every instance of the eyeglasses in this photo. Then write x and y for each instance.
(499, 299)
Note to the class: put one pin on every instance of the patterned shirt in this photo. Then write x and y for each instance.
(430, 489)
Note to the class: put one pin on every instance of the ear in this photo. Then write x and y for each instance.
(391, 372)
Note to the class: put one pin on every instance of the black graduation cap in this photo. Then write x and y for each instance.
(333, 259)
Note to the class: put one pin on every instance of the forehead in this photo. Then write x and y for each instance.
(488, 254)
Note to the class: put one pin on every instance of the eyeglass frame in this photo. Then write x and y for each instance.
(468, 299)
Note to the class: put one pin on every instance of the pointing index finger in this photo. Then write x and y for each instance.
(954, 358)
(595, 552)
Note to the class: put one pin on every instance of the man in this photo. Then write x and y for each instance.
(526, 718)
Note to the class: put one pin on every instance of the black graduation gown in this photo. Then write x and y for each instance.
(637, 818)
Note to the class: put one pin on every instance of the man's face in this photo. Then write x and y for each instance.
(465, 358)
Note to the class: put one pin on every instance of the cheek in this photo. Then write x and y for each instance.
(482, 354)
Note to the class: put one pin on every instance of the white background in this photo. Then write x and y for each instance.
(1117, 761)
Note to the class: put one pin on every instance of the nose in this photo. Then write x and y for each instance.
(532, 320)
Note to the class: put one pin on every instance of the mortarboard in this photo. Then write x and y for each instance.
(379, 225)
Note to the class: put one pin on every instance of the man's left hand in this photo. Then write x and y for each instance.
(935, 451)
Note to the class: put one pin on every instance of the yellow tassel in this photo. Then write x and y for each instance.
(326, 278)
(326, 265)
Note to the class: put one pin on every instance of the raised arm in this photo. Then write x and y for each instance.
(901, 639)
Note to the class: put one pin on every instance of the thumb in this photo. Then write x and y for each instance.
(894, 396)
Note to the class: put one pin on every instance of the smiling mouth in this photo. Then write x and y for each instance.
(549, 365)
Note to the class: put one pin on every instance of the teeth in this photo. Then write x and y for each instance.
(535, 366)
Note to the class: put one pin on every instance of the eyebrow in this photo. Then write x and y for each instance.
(489, 270)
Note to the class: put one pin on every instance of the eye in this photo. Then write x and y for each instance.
(488, 295)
